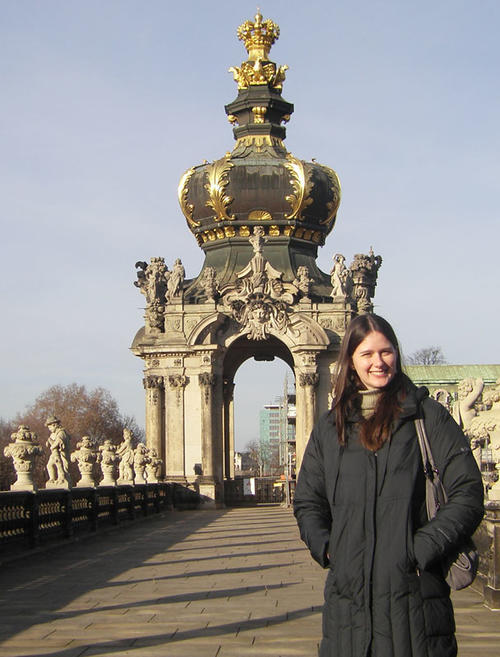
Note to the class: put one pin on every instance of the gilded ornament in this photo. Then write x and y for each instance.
(182, 192)
(232, 119)
(332, 205)
(217, 174)
(244, 231)
(288, 231)
(259, 215)
(219, 233)
(229, 231)
(258, 37)
(301, 184)
(258, 114)
(274, 231)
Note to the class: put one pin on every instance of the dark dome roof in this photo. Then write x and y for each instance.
(259, 182)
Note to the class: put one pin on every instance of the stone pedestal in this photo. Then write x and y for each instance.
(492, 586)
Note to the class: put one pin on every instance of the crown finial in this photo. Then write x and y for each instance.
(258, 36)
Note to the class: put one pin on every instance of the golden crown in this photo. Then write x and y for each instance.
(258, 36)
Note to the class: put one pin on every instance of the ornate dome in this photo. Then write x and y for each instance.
(260, 183)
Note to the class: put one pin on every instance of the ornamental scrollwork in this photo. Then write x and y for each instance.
(301, 182)
(182, 192)
(260, 301)
(333, 205)
(219, 201)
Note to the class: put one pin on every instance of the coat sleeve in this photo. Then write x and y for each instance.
(461, 478)
(311, 507)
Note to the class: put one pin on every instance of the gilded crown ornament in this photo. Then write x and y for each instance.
(258, 37)
(259, 184)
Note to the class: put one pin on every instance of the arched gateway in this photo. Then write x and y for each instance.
(259, 214)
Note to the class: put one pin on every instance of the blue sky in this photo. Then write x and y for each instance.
(106, 103)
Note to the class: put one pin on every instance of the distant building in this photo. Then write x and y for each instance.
(435, 377)
(277, 433)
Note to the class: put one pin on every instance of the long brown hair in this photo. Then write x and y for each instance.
(374, 430)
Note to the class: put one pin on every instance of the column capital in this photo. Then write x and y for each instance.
(152, 382)
(178, 380)
(207, 379)
(308, 379)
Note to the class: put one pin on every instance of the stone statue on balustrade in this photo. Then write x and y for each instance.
(340, 278)
(303, 281)
(484, 429)
(152, 280)
(209, 283)
(58, 463)
(108, 459)
(85, 456)
(141, 459)
(153, 466)
(24, 451)
(175, 281)
(364, 272)
(469, 391)
(126, 453)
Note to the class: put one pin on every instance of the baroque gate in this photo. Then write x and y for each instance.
(259, 214)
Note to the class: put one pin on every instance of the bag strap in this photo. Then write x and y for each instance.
(430, 469)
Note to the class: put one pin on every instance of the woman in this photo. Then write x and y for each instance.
(360, 505)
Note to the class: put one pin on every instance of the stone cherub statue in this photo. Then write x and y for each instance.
(58, 463)
(126, 453)
(469, 391)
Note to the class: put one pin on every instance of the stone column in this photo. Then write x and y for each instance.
(207, 382)
(228, 429)
(155, 396)
(210, 430)
(174, 404)
(306, 410)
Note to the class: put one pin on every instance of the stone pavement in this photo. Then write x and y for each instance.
(218, 583)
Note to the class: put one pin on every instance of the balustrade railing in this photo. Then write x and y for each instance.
(29, 519)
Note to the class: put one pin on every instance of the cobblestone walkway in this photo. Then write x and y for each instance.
(221, 583)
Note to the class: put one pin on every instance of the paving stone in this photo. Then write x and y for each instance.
(216, 583)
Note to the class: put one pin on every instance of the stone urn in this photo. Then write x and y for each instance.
(153, 467)
(141, 459)
(23, 451)
(107, 459)
(85, 456)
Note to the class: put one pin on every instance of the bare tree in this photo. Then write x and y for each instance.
(427, 356)
(82, 412)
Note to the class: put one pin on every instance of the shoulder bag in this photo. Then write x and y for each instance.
(460, 568)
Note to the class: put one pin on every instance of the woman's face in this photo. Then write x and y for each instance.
(374, 361)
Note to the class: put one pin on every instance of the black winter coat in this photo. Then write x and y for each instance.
(385, 595)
